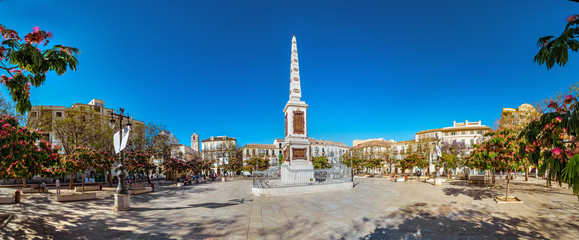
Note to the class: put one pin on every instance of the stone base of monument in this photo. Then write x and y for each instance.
(122, 202)
(297, 172)
(437, 181)
(301, 189)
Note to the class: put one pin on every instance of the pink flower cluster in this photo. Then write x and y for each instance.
(37, 36)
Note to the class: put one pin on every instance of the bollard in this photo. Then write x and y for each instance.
(153, 187)
(17, 196)
(406, 178)
(100, 186)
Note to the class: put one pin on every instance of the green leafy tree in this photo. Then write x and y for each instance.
(321, 162)
(139, 162)
(22, 152)
(26, 64)
(555, 50)
(104, 164)
(411, 161)
(452, 154)
(78, 161)
(373, 163)
(258, 164)
(498, 152)
(552, 145)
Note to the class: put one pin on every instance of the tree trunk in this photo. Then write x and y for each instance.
(110, 178)
(507, 195)
(82, 182)
(148, 178)
(526, 173)
(23, 182)
(70, 185)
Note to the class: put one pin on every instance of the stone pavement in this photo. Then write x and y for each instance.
(374, 209)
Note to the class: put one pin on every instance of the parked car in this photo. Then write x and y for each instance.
(246, 173)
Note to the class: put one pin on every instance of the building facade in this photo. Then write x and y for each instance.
(45, 117)
(334, 151)
(518, 118)
(268, 151)
(218, 150)
(469, 133)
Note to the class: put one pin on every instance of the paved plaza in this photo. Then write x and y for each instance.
(375, 209)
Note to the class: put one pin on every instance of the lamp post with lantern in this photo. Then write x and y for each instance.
(122, 194)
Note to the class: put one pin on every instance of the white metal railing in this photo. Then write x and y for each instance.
(283, 176)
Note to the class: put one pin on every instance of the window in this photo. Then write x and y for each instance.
(445, 134)
(463, 133)
(471, 132)
(480, 132)
(471, 141)
(33, 114)
(266, 152)
(97, 109)
(246, 151)
(58, 114)
(463, 141)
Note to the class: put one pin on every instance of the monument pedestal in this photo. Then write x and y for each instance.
(297, 172)
(437, 181)
(122, 202)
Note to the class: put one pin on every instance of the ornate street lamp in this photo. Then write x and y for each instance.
(121, 174)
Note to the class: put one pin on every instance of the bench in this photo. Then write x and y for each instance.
(142, 190)
(75, 197)
(476, 178)
(138, 186)
(33, 190)
(87, 188)
(5, 200)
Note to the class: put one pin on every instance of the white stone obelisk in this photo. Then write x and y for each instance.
(296, 147)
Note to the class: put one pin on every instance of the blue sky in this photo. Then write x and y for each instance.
(368, 68)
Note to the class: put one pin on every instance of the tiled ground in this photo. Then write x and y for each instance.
(374, 209)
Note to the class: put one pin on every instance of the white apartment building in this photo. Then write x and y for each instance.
(334, 151)
(218, 150)
(466, 132)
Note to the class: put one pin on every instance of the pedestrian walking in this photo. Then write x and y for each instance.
(57, 186)
(43, 186)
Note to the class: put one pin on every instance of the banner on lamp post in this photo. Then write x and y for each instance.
(121, 144)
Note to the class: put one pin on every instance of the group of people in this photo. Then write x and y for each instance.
(42, 186)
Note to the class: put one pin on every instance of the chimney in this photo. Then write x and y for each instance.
(454, 123)
(466, 123)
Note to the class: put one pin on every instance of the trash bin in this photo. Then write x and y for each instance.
(153, 187)
(17, 196)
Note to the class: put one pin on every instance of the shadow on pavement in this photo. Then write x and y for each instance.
(420, 221)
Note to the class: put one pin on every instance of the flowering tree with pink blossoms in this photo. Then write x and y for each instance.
(25, 63)
(22, 153)
(553, 144)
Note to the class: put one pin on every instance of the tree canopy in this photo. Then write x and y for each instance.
(26, 64)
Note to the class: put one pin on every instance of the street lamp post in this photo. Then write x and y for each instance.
(122, 194)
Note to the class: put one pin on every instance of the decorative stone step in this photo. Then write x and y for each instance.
(6, 200)
(75, 197)
(87, 188)
(140, 191)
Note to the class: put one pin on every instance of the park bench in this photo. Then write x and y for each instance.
(141, 190)
(75, 197)
(476, 179)
(138, 186)
(87, 188)
(33, 190)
